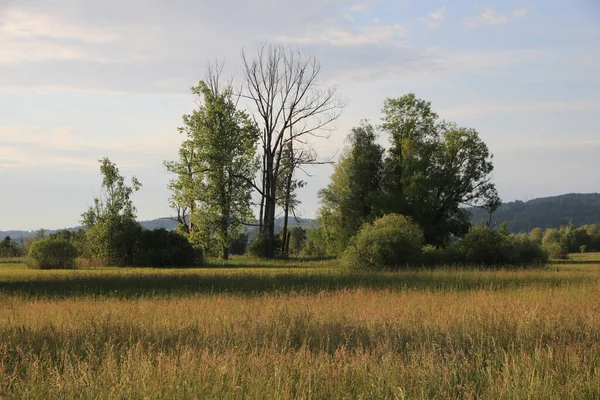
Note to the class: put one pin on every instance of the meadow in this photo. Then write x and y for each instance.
(300, 329)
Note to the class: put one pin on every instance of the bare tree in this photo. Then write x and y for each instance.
(283, 85)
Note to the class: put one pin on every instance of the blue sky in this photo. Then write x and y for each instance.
(83, 80)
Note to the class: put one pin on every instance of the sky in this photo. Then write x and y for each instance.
(81, 80)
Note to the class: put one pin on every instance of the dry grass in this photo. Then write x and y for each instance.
(482, 334)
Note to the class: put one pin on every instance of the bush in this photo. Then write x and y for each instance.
(163, 248)
(484, 246)
(557, 251)
(315, 244)
(52, 253)
(390, 242)
(258, 245)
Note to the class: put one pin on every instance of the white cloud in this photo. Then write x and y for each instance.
(520, 13)
(38, 146)
(487, 16)
(29, 24)
(337, 36)
(434, 19)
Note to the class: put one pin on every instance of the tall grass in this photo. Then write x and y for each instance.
(279, 333)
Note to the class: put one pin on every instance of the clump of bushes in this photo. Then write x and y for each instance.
(52, 253)
(484, 246)
(163, 248)
(557, 251)
(395, 242)
(390, 242)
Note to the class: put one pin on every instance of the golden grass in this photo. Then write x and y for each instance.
(472, 338)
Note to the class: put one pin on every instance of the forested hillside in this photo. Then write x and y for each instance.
(546, 212)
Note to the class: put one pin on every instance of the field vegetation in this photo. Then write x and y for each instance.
(249, 328)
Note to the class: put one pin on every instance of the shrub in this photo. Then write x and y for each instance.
(52, 253)
(390, 242)
(484, 246)
(315, 244)
(163, 248)
(258, 245)
(557, 251)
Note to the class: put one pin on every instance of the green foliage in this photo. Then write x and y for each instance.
(390, 242)
(315, 244)
(556, 251)
(487, 247)
(216, 168)
(52, 253)
(297, 240)
(239, 245)
(10, 248)
(352, 197)
(260, 242)
(163, 248)
(112, 230)
(537, 235)
(433, 168)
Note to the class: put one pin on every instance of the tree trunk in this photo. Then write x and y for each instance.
(225, 255)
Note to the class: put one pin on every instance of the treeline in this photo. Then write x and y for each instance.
(568, 239)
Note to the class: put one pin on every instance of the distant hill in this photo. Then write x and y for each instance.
(546, 212)
(169, 224)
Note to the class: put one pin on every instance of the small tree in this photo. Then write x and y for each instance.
(112, 229)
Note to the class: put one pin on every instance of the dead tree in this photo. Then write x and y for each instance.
(288, 98)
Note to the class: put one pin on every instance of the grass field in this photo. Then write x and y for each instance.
(300, 329)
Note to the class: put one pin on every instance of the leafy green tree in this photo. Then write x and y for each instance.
(434, 169)
(352, 197)
(10, 248)
(315, 244)
(536, 235)
(217, 163)
(112, 230)
(297, 240)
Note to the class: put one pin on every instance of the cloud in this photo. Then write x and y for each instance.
(337, 36)
(487, 16)
(18, 23)
(66, 147)
(434, 19)
(520, 12)
(491, 108)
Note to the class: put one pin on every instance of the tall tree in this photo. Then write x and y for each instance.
(353, 196)
(289, 99)
(111, 223)
(217, 163)
(434, 169)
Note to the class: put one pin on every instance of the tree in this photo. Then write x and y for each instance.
(536, 235)
(434, 169)
(291, 104)
(217, 164)
(352, 198)
(10, 248)
(297, 239)
(111, 226)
